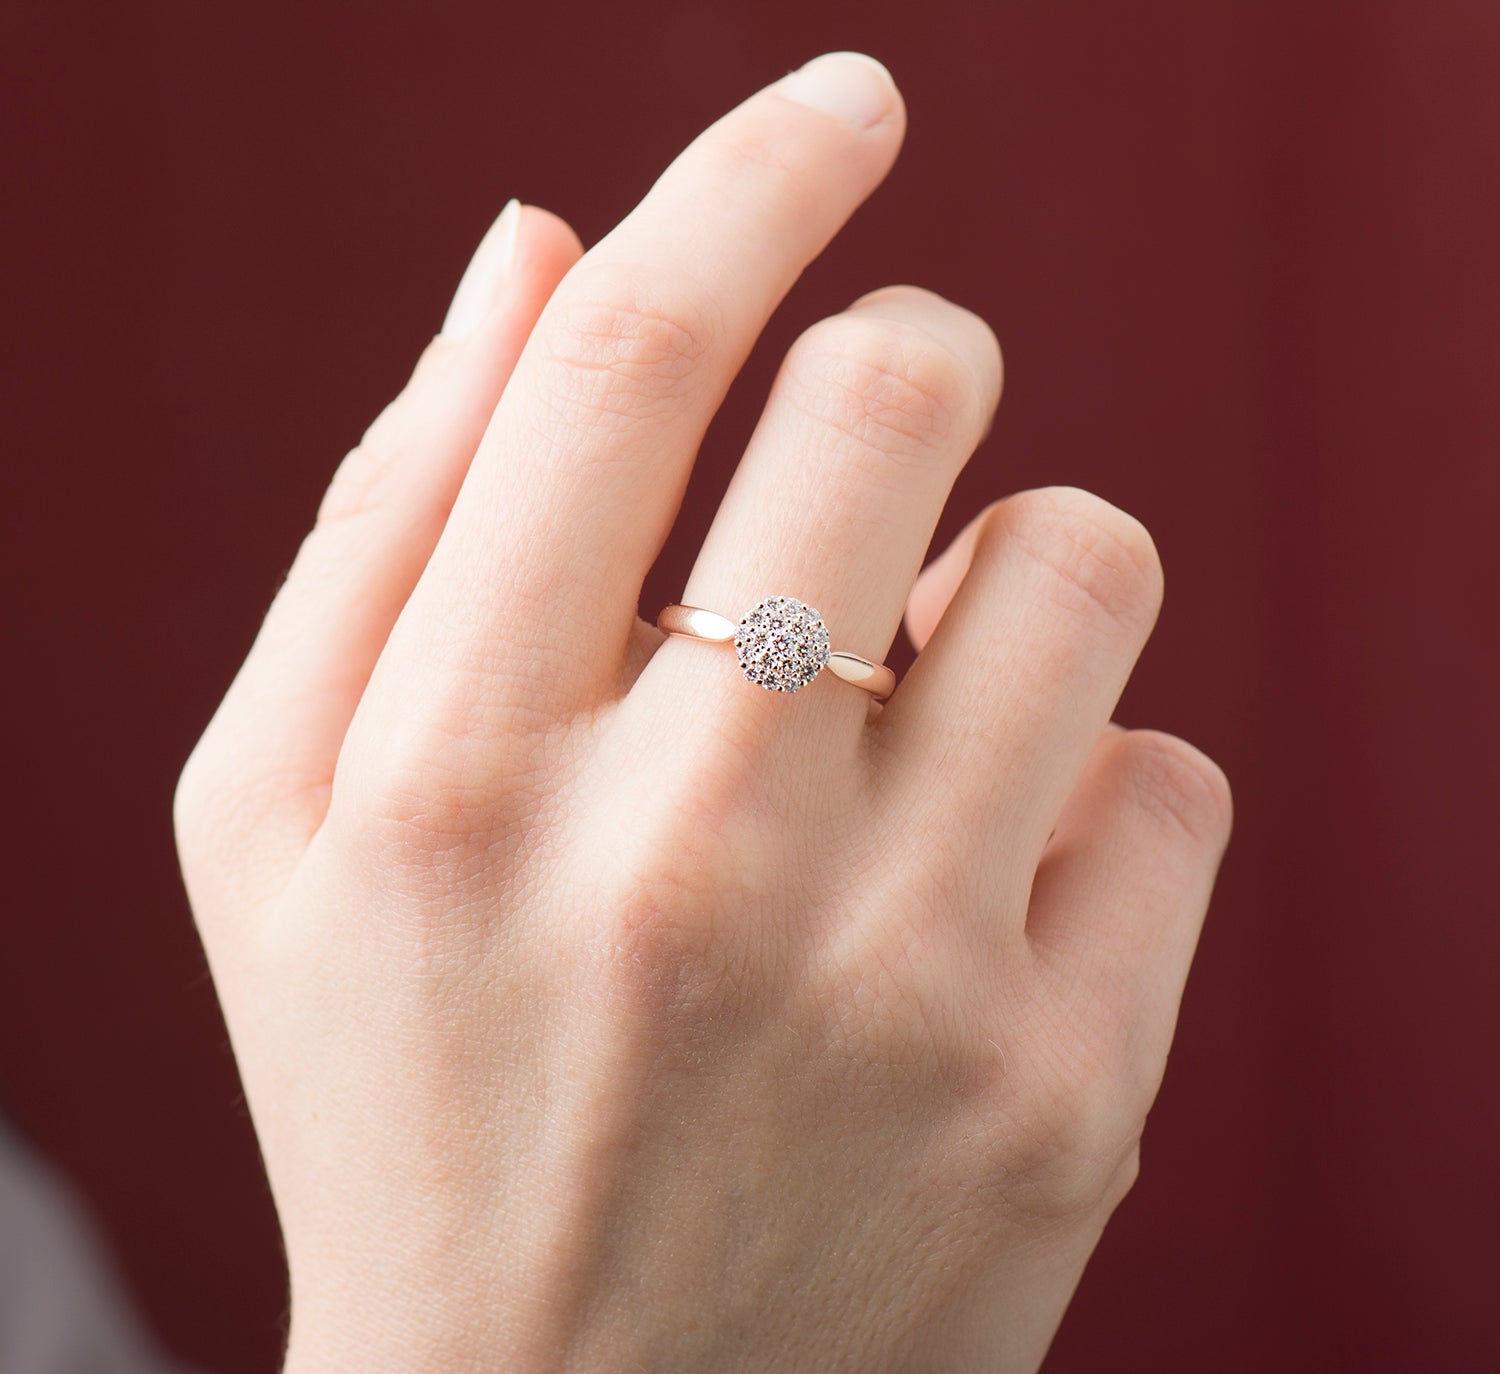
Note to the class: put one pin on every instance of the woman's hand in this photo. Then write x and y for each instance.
(599, 1009)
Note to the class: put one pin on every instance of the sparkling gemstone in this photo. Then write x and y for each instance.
(781, 643)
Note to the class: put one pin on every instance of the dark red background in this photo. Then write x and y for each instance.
(1243, 259)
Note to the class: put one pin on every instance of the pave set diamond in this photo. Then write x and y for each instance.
(781, 643)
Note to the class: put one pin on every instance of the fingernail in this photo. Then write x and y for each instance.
(485, 274)
(850, 85)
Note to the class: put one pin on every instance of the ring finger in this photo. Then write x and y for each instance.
(871, 418)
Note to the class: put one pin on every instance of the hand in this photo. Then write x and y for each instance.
(598, 1009)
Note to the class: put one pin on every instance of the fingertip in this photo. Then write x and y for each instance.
(525, 245)
(853, 87)
(546, 238)
(485, 275)
(924, 606)
(938, 583)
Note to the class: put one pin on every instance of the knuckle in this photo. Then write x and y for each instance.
(213, 799)
(236, 806)
(414, 806)
(664, 929)
(725, 162)
(1068, 1139)
(885, 386)
(1127, 1174)
(432, 795)
(192, 802)
(968, 336)
(1102, 560)
(622, 341)
(682, 880)
(672, 890)
(1074, 1117)
(896, 989)
(1181, 785)
(357, 483)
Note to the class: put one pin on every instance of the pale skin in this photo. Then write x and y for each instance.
(600, 1010)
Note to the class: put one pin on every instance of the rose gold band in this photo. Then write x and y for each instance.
(694, 622)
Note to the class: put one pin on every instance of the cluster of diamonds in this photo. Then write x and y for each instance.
(781, 643)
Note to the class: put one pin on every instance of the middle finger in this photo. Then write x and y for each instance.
(529, 599)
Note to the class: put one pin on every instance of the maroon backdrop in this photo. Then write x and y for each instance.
(1243, 259)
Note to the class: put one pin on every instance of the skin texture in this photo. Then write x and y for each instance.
(598, 1009)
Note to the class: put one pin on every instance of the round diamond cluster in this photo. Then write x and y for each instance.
(781, 643)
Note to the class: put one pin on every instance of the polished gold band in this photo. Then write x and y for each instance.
(781, 644)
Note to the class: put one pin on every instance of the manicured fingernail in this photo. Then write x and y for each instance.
(485, 274)
(850, 85)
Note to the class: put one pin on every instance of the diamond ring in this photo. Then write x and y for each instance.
(781, 643)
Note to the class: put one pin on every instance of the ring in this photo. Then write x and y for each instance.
(781, 644)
